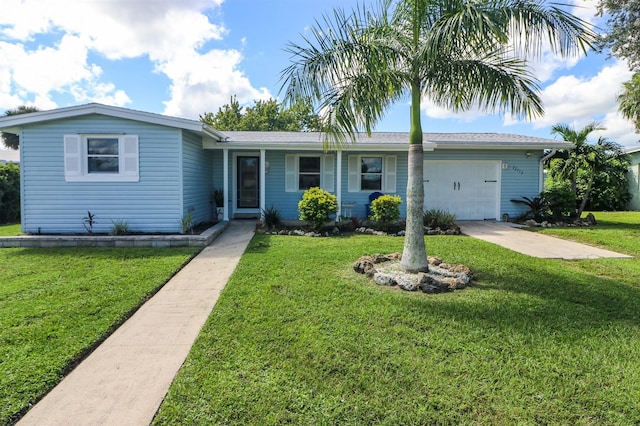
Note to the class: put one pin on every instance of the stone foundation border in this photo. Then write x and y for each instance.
(54, 241)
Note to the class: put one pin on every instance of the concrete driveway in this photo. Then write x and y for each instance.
(532, 243)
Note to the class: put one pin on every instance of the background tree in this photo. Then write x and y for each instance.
(629, 100)
(264, 116)
(623, 33)
(10, 140)
(456, 53)
(596, 173)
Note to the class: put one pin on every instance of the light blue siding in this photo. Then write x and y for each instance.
(51, 205)
(519, 177)
(197, 176)
(634, 180)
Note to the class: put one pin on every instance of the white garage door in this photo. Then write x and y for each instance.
(470, 189)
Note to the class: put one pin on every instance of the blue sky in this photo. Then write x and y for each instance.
(184, 58)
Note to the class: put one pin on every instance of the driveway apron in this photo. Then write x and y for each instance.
(126, 378)
(533, 243)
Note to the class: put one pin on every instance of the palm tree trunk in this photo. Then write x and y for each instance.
(583, 204)
(414, 254)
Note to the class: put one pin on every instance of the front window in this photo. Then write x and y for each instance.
(103, 155)
(309, 172)
(371, 173)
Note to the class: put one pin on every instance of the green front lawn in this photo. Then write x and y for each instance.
(297, 337)
(10, 230)
(617, 231)
(57, 304)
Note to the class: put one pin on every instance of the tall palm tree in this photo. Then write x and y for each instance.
(572, 160)
(597, 158)
(629, 101)
(10, 140)
(456, 53)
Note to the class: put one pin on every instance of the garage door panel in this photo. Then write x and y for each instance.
(469, 189)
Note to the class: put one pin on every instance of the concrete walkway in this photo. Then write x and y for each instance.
(126, 378)
(532, 243)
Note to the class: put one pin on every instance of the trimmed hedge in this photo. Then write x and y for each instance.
(9, 193)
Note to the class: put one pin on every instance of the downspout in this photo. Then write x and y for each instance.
(541, 174)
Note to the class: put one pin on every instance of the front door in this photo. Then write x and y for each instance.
(248, 192)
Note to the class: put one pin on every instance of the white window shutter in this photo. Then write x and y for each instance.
(327, 173)
(291, 173)
(130, 158)
(354, 174)
(72, 157)
(390, 174)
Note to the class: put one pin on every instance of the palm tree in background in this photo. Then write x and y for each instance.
(629, 101)
(585, 161)
(458, 54)
(10, 140)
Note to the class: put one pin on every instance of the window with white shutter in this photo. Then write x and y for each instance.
(367, 173)
(304, 171)
(101, 158)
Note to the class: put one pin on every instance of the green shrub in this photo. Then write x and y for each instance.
(9, 193)
(560, 201)
(385, 209)
(316, 207)
(119, 227)
(272, 217)
(435, 218)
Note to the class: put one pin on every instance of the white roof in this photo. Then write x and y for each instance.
(214, 139)
(12, 123)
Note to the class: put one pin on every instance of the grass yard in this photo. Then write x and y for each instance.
(297, 337)
(617, 231)
(58, 304)
(10, 230)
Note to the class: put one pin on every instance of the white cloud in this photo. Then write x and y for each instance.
(572, 98)
(171, 34)
(205, 82)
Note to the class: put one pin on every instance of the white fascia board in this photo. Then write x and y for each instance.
(313, 147)
(508, 146)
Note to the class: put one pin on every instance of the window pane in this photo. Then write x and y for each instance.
(371, 165)
(371, 182)
(308, 181)
(102, 146)
(310, 164)
(102, 164)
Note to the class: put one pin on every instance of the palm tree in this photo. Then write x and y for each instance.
(456, 53)
(10, 140)
(572, 160)
(629, 101)
(597, 159)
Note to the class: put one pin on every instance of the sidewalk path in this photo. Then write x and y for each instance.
(125, 379)
(533, 243)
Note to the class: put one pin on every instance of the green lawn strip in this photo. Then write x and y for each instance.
(10, 230)
(58, 304)
(616, 231)
(297, 337)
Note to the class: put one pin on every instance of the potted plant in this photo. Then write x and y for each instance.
(218, 199)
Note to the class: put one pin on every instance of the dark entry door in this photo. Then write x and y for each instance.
(248, 196)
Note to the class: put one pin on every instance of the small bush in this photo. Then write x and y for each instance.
(272, 217)
(435, 218)
(119, 227)
(561, 202)
(316, 207)
(187, 222)
(9, 193)
(385, 209)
